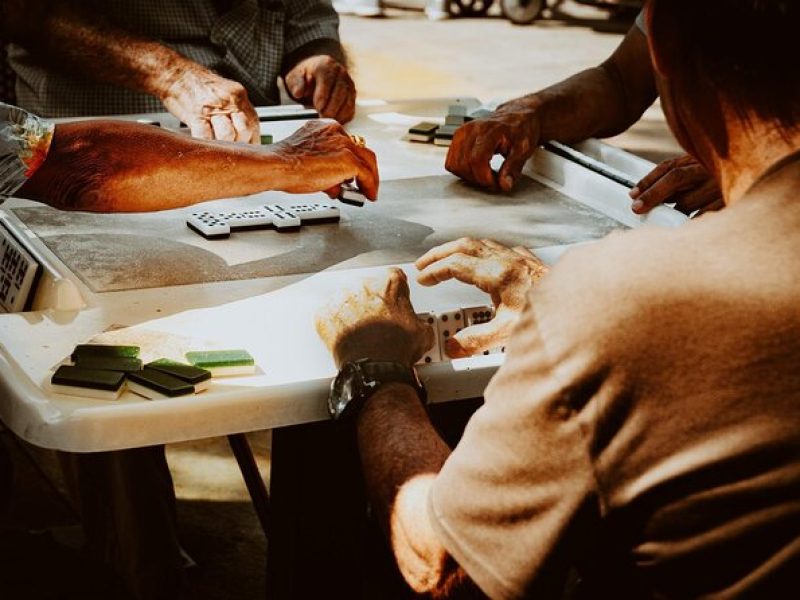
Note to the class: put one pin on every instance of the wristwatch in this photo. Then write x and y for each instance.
(358, 380)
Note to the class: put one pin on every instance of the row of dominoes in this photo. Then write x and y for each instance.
(19, 273)
(442, 135)
(448, 323)
(105, 372)
(217, 225)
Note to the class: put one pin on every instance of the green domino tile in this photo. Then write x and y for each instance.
(210, 359)
(266, 139)
(165, 385)
(93, 379)
(108, 363)
(190, 373)
(105, 350)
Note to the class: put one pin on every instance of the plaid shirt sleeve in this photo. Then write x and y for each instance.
(310, 27)
(24, 143)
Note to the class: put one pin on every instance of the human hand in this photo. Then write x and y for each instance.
(681, 180)
(505, 274)
(323, 82)
(512, 131)
(213, 107)
(321, 156)
(376, 321)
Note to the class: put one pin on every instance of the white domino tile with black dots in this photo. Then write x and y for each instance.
(220, 225)
(448, 323)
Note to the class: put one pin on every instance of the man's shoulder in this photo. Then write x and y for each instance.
(599, 295)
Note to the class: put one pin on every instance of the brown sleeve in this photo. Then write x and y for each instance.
(517, 498)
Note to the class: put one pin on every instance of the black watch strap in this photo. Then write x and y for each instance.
(365, 377)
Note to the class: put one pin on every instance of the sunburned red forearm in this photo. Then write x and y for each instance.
(401, 454)
(119, 166)
(85, 44)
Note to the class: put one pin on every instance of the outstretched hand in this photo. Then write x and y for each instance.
(506, 274)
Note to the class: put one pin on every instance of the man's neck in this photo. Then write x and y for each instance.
(754, 149)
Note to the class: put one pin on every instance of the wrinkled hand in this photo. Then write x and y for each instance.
(323, 82)
(681, 180)
(213, 107)
(503, 273)
(512, 131)
(321, 156)
(377, 321)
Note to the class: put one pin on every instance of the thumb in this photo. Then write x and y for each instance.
(296, 84)
(513, 165)
(477, 338)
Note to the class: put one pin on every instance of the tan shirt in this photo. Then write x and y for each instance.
(646, 424)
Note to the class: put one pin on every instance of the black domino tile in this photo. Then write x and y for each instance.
(93, 379)
(190, 373)
(161, 382)
(124, 364)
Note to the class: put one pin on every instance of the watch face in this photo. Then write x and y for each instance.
(343, 389)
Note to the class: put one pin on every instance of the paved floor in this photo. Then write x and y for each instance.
(400, 56)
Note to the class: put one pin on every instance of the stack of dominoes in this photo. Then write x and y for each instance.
(442, 135)
(105, 372)
(448, 323)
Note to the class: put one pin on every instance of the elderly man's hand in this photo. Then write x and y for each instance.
(213, 107)
(375, 320)
(503, 273)
(681, 180)
(512, 131)
(323, 82)
(321, 156)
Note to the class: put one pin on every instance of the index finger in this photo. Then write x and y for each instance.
(467, 150)
(323, 88)
(464, 245)
(648, 180)
(247, 130)
(462, 267)
(368, 178)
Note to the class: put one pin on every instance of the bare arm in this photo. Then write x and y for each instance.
(119, 166)
(401, 453)
(601, 101)
(87, 45)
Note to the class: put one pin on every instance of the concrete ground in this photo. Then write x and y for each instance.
(400, 56)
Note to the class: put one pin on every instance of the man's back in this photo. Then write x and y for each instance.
(646, 422)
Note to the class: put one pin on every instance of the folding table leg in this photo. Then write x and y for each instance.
(252, 478)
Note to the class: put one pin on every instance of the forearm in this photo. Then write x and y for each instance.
(401, 454)
(598, 102)
(119, 166)
(65, 37)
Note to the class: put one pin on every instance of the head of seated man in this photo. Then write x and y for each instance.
(643, 428)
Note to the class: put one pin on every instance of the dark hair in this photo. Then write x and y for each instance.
(747, 50)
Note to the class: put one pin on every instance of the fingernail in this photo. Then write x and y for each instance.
(508, 181)
(635, 192)
(637, 206)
